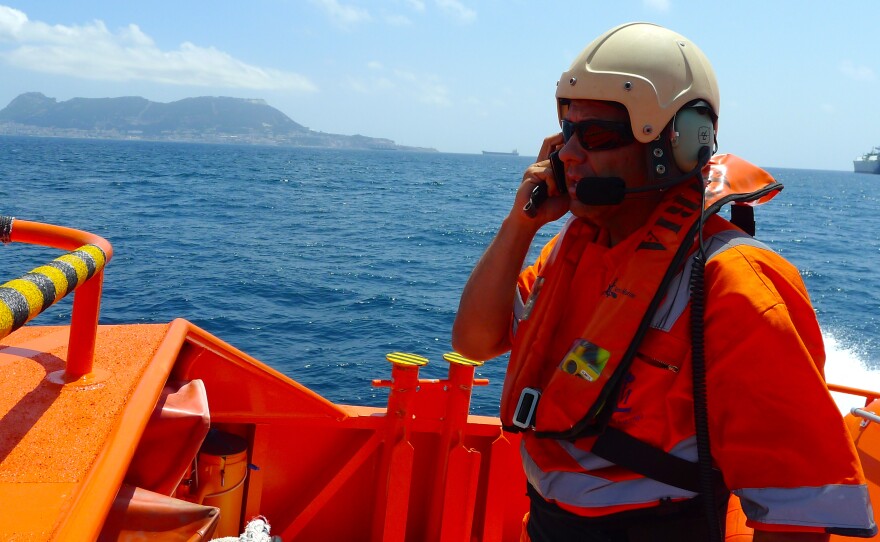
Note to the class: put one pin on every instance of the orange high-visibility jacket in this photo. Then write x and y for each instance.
(776, 434)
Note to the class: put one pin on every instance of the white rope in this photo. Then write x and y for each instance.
(257, 530)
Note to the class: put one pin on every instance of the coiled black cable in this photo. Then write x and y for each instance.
(701, 412)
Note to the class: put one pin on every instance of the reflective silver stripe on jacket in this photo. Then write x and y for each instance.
(519, 307)
(589, 491)
(678, 296)
(836, 506)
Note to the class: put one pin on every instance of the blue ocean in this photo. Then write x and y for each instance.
(319, 262)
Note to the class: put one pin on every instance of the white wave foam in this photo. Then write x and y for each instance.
(846, 366)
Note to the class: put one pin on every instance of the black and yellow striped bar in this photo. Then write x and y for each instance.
(406, 360)
(6, 228)
(24, 298)
(458, 359)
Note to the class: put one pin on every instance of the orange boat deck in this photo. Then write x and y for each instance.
(429, 472)
(52, 438)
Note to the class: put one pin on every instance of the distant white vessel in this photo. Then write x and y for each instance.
(868, 162)
(511, 153)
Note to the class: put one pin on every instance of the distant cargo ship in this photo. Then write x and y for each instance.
(511, 153)
(868, 162)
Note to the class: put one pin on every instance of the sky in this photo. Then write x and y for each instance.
(800, 81)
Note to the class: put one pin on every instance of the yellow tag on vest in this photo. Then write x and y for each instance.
(585, 360)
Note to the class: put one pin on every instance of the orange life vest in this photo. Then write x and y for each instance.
(575, 396)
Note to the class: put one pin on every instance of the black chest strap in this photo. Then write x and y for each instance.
(640, 457)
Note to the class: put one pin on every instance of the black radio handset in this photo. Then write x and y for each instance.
(539, 193)
(558, 172)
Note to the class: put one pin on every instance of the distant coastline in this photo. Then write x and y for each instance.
(321, 140)
(217, 120)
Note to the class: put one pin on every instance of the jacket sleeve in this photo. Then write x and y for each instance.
(776, 433)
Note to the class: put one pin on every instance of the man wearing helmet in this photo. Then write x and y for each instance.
(615, 391)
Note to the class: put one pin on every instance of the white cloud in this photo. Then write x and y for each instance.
(659, 5)
(857, 73)
(12, 23)
(418, 5)
(423, 88)
(427, 89)
(372, 85)
(457, 10)
(91, 51)
(398, 20)
(343, 15)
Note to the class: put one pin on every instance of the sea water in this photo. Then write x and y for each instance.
(319, 262)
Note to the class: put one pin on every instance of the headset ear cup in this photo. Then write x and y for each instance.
(693, 129)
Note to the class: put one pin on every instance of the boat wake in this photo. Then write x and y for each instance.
(845, 365)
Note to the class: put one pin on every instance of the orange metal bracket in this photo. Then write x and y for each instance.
(454, 485)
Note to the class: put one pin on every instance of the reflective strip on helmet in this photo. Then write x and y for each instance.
(585, 490)
(836, 507)
(678, 295)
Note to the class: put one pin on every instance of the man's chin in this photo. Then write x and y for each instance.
(589, 213)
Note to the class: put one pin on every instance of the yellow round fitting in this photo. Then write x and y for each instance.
(458, 359)
(406, 360)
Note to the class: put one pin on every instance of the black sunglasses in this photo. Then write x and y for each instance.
(598, 135)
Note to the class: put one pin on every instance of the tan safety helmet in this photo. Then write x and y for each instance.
(649, 69)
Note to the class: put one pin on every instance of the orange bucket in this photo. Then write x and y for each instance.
(220, 474)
